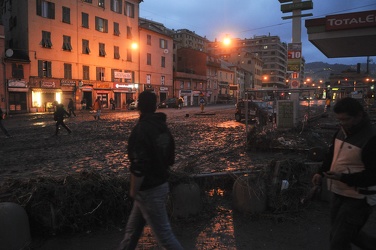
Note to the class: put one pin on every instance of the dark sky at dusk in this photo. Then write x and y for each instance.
(248, 18)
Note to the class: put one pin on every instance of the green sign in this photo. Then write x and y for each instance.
(285, 114)
(308, 5)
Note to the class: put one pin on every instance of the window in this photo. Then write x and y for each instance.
(101, 3)
(163, 62)
(129, 55)
(102, 49)
(101, 24)
(46, 39)
(88, 1)
(17, 71)
(85, 20)
(67, 71)
(116, 29)
(162, 80)
(85, 72)
(45, 9)
(44, 68)
(85, 46)
(148, 59)
(116, 6)
(100, 74)
(67, 43)
(148, 40)
(181, 84)
(163, 43)
(66, 15)
(129, 9)
(116, 52)
(129, 32)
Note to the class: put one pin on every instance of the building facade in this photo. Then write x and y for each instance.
(56, 50)
(156, 54)
(269, 49)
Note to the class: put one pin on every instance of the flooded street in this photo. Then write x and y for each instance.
(208, 142)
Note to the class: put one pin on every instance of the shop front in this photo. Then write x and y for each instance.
(68, 88)
(17, 96)
(123, 93)
(45, 94)
(163, 93)
(103, 90)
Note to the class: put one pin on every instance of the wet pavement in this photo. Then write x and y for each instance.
(205, 143)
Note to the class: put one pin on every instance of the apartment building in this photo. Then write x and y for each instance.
(80, 49)
(196, 76)
(269, 49)
(156, 56)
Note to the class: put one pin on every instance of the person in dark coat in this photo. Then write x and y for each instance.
(151, 151)
(5, 131)
(71, 107)
(59, 115)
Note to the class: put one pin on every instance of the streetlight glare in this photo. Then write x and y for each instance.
(227, 41)
(134, 46)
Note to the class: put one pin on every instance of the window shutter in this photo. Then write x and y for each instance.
(40, 68)
(49, 69)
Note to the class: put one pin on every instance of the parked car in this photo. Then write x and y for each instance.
(169, 103)
(133, 105)
(260, 110)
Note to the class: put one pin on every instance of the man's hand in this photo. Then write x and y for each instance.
(316, 180)
(333, 175)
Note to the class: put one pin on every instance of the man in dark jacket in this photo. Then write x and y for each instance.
(71, 107)
(151, 151)
(351, 172)
(59, 115)
(5, 131)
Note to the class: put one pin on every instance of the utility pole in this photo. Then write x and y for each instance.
(295, 47)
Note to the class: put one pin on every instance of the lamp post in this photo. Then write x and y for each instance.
(136, 46)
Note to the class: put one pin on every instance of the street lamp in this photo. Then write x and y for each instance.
(135, 46)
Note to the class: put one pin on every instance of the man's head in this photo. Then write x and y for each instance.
(349, 112)
(147, 102)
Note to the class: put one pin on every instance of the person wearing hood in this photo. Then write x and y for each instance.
(151, 151)
(350, 169)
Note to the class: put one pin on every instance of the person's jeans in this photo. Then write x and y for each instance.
(150, 207)
(348, 216)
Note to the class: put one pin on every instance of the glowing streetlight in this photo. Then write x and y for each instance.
(227, 41)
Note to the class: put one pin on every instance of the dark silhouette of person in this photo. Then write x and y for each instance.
(5, 131)
(59, 115)
(71, 107)
(151, 151)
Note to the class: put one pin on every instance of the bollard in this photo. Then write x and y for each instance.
(14, 227)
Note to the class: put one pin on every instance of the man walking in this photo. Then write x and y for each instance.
(5, 131)
(59, 115)
(71, 107)
(351, 171)
(151, 151)
(97, 107)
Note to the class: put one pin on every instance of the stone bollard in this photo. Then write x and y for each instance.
(14, 227)
(186, 200)
(249, 194)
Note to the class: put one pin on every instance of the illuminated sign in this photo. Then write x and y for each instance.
(351, 20)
